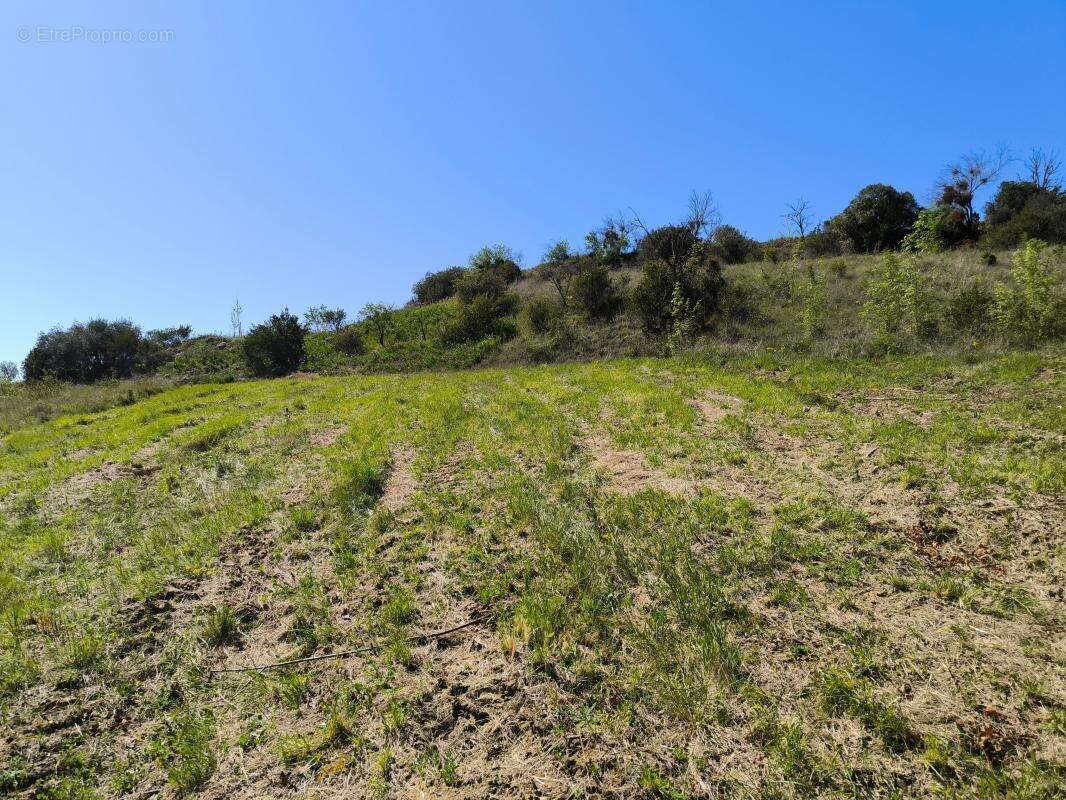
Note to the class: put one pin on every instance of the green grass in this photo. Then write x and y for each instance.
(815, 592)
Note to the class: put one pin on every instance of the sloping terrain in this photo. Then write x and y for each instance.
(639, 578)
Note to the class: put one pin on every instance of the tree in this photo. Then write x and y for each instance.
(961, 181)
(1042, 168)
(379, 317)
(275, 347)
(1022, 209)
(559, 269)
(703, 214)
(319, 318)
(170, 337)
(877, 218)
(799, 217)
(9, 372)
(85, 352)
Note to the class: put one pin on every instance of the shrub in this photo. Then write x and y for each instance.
(815, 303)
(739, 302)
(437, 286)
(609, 244)
(650, 298)
(733, 247)
(822, 241)
(936, 229)
(969, 309)
(497, 260)
(542, 314)
(898, 303)
(700, 283)
(479, 318)
(276, 347)
(877, 218)
(349, 341)
(85, 352)
(594, 293)
(1027, 311)
(671, 244)
(479, 282)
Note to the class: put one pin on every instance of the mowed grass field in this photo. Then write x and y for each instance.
(648, 578)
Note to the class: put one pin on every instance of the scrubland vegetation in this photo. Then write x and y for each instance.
(713, 518)
(832, 288)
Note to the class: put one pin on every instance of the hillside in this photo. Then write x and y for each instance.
(760, 576)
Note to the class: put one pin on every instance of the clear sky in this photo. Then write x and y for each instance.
(301, 153)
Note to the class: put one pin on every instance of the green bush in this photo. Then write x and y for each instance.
(207, 358)
(437, 286)
(733, 247)
(276, 347)
(479, 282)
(969, 309)
(670, 244)
(700, 283)
(936, 229)
(321, 354)
(480, 317)
(497, 260)
(1027, 312)
(542, 314)
(349, 341)
(898, 304)
(593, 292)
(877, 218)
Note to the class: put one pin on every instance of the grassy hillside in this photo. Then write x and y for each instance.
(763, 577)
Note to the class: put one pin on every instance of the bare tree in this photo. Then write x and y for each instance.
(235, 317)
(1042, 168)
(799, 216)
(702, 214)
(961, 181)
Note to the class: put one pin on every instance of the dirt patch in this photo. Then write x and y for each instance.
(327, 437)
(77, 488)
(401, 483)
(714, 407)
(629, 472)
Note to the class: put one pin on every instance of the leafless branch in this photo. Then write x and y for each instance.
(799, 216)
(702, 213)
(1042, 168)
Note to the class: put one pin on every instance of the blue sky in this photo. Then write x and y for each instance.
(295, 154)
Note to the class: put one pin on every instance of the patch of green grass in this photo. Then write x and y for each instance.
(221, 626)
(184, 748)
(840, 692)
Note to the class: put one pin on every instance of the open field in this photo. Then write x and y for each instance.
(757, 578)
